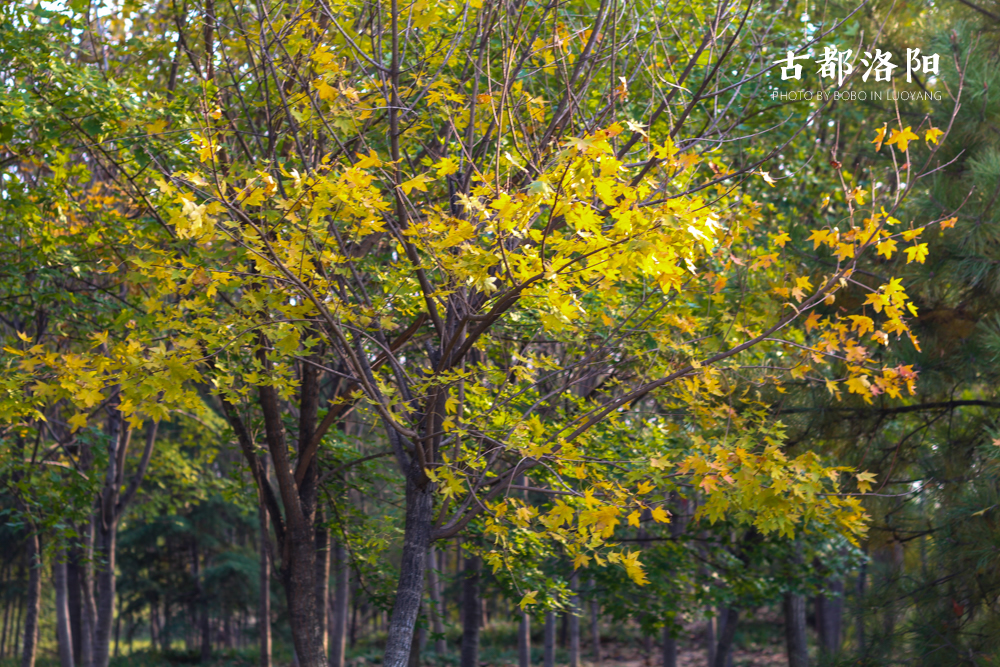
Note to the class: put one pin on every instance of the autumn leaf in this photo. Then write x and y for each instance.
(865, 481)
(949, 223)
(931, 136)
(886, 248)
(781, 239)
(78, 421)
(418, 182)
(879, 137)
(660, 515)
(902, 138)
(767, 177)
(916, 253)
(528, 599)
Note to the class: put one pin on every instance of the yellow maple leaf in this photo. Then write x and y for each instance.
(865, 481)
(418, 182)
(78, 421)
(931, 136)
(580, 561)
(845, 251)
(911, 234)
(879, 137)
(902, 138)
(529, 598)
(949, 223)
(916, 253)
(781, 239)
(366, 161)
(660, 515)
(886, 248)
(633, 518)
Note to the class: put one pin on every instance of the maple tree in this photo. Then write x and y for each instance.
(446, 220)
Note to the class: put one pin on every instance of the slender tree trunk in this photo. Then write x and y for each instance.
(710, 641)
(264, 603)
(205, 629)
(323, 580)
(829, 617)
(595, 621)
(437, 608)
(6, 611)
(342, 589)
(106, 543)
(795, 630)
(410, 588)
(574, 622)
(118, 629)
(64, 629)
(859, 618)
(74, 599)
(89, 611)
(524, 641)
(470, 612)
(416, 645)
(727, 630)
(669, 649)
(550, 640)
(33, 599)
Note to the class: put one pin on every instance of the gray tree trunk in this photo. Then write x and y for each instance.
(64, 629)
(74, 599)
(710, 641)
(470, 612)
(341, 592)
(595, 622)
(410, 588)
(669, 649)
(829, 617)
(550, 639)
(795, 630)
(524, 641)
(574, 623)
(89, 612)
(29, 650)
(264, 604)
(323, 582)
(727, 630)
(437, 606)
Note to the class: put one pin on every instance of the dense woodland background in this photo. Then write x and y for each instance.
(253, 469)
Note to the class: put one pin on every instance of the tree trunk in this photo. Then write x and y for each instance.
(470, 612)
(727, 630)
(549, 659)
(74, 599)
(524, 641)
(64, 629)
(205, 630)
(829, 617)
(795, 630)
(859, 619)
(323, 582)
(574, 622)
(595, 622)
(342, 588)
(410, 588)
(33, 599)
(89, 611)
(437, 608)
(710, 641)
(669, 648)
(264, 603)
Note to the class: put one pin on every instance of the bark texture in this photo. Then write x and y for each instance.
(669, 649)
(64, 628)
(549, 659)
(470, 612)
(410, 589)
(727, 630)
(795, 630)
(574, 623)
(524, 641)
(437, 606)
(29, 650)
(338, 619)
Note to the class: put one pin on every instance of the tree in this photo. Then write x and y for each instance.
(467, 250)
